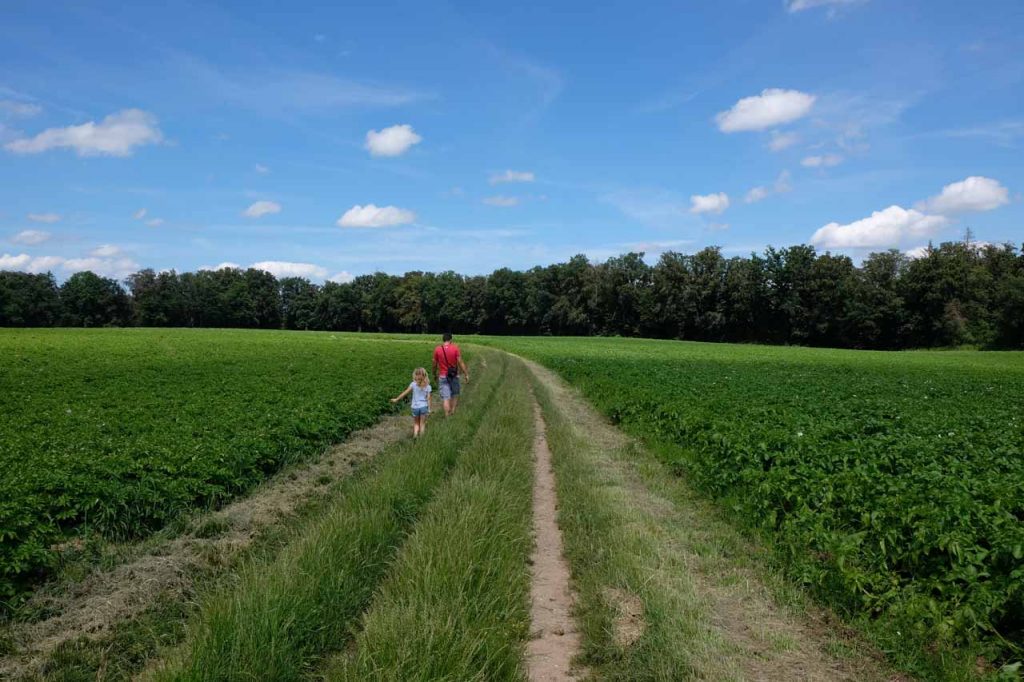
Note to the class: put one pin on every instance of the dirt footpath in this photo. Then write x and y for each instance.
(556, 640)
(760, 637)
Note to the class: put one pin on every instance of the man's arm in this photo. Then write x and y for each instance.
(462, 366)
(435, 363)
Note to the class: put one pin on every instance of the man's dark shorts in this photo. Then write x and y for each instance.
(450, 388)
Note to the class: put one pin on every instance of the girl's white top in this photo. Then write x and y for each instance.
(420, 396)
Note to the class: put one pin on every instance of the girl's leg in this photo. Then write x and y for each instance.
(423, 424)
(415, 426)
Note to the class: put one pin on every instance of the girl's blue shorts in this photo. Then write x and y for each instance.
(419, 411)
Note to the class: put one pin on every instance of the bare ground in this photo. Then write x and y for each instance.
(556, 640)
(762, 638)
(92, 606)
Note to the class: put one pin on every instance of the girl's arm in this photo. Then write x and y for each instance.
(430, 402)
(403, 394)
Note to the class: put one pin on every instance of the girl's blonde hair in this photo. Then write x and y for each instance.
(419, 375)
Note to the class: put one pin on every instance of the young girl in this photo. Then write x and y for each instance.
(420, 388)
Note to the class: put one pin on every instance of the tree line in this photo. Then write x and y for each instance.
(955, 294)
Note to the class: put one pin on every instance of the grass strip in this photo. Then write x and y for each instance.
(619, 551)
(456, 604)
(279, 617)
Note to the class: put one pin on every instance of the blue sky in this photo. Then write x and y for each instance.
(336, 139)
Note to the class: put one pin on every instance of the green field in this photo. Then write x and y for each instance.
(893, 483)
(116, 432)
(889, 486)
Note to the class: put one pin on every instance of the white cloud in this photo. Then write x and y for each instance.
(501, 201)
(262, 208)
(19, 262)
(782, 141)
(772, 107)
(343, 277)
(371, 215)
(285, 269)
(19, 109)
(106, 251)
(221, 266)
(118, 267)
(156, 222)
(709, 203)
(30, 237)
(801, 5)
(140, 214)
(917, 252)
(975, 193)
(512, 176)
(44, 217)
(884, 228)
(261, 169)
(116, 135)
(393, 141)
(824, 161)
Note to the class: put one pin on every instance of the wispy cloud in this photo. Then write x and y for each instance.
(1002, 133)
(116, 135)
(501, 201)
(511, 176)
(284, 90)
(48, 218)
(259, 209)
(547, 82)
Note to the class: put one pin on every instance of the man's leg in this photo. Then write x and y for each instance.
(456, 389)
(446, 395)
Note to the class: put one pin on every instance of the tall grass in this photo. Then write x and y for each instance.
(456, 604)
(281, 616)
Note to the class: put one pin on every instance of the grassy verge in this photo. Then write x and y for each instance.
(456, 604)
(279, 617)
(617, 550)
(639, 540)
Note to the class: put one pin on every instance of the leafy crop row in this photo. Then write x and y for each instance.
(892, 482)
(118, 431)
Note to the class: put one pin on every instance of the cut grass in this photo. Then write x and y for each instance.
(280, 617)
(456, 604)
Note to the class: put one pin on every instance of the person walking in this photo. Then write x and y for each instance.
(421, 390)
(447, 363)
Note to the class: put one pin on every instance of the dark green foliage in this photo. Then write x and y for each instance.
(119, 431)
(956, 294)
(28, 300)
(89, 300)
(893, 483)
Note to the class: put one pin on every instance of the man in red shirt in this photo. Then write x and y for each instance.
(447, 363)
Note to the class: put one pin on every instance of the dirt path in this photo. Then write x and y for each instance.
(556, 640)
(167, 569)
(759, 637)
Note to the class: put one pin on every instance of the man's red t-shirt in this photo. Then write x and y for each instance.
(452, 352)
